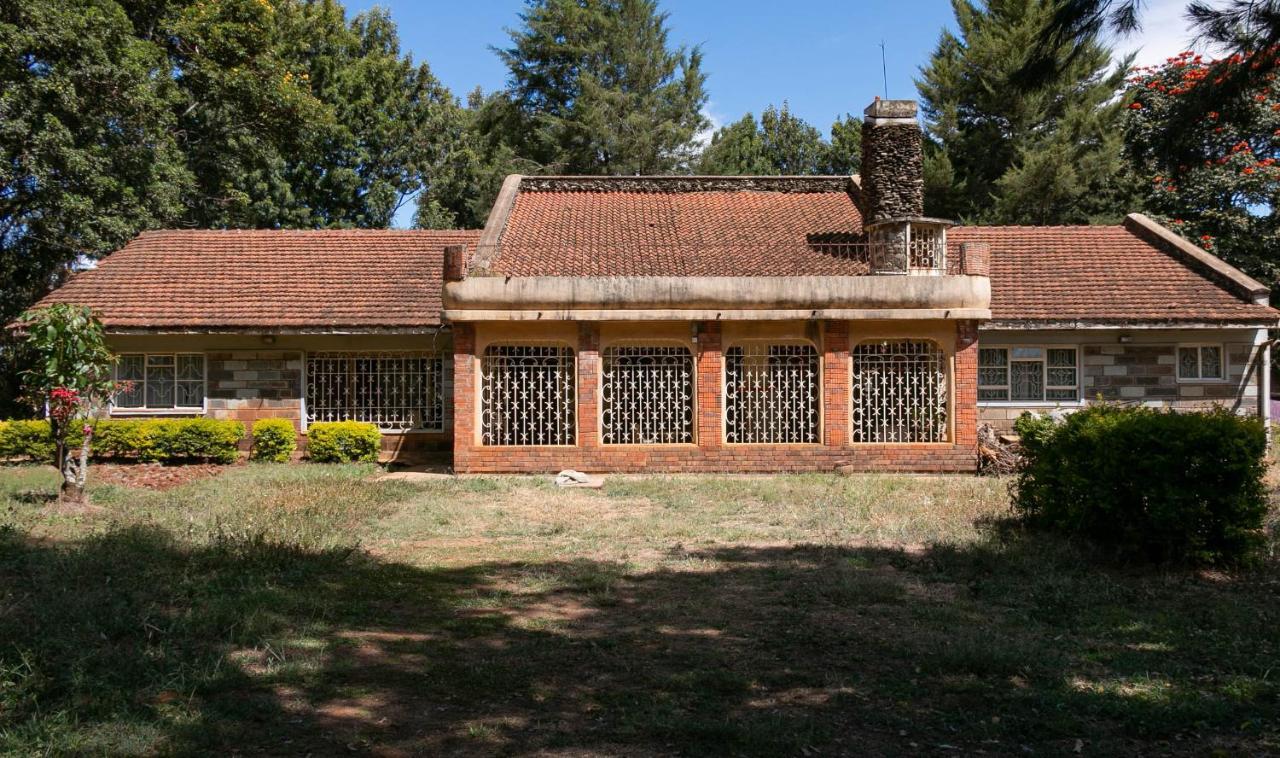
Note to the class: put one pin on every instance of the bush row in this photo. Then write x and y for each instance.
(151, 439)
(1150, 484)
(177, 439)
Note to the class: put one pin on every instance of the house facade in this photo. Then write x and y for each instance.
(684, 323)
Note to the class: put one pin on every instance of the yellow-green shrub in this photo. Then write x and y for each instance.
(25, 440)
(343, 442)
(274, 440)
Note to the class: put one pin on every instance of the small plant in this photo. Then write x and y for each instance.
(1150, 484)
(274, 440)
(72, 380)
(343, 442)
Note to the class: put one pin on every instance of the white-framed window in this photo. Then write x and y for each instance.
(900, 392)
(397, 391)
(1029, 374)
(772, 393)
(528, 395)
(646, 395)
(1202, 363)
(159, 382)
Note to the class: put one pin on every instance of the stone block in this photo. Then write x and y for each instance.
(1115, 370)
(1191, 390)
(1132, 392)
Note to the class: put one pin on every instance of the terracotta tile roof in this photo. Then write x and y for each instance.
(251, 279)
(1097, 274)
(686, 233)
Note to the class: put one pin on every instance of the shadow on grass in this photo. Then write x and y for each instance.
(134, 642)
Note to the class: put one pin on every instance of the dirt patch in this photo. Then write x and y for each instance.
(152, 476)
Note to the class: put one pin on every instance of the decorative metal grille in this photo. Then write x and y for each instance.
(927, 247)
(771, 393)
(396, 391)
(646, 395)
(160, 381)
(527, 395)
(899, 392)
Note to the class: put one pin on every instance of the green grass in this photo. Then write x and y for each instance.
(308, 609)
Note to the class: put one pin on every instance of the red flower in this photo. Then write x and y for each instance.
(1135, 106)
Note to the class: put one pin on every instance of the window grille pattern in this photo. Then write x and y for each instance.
(771, 393)
(396, 391)
(1028, 374)
(926, 249)
(160, 381)
(899, 392)
(1200, 362)
(527, 395)
(646, 395)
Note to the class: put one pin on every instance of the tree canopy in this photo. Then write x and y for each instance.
(782, 143)
(1001, 153)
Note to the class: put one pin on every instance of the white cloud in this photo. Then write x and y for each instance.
(714, 122)
(1165, 33)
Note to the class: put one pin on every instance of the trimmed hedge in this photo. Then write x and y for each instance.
(343, 442)
(274, 440)
(26, 440)
(146, 439)
(1151, 484)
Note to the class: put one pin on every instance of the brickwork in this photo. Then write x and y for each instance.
(247, 385)
(710, 453)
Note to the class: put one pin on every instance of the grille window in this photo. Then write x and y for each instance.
(771, 393)
(1028, 373)
(527, 395)
(646, 396)
(899, 392)
(396, 391)
(164, 381)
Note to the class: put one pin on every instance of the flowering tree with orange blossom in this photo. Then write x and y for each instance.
(1213, 174)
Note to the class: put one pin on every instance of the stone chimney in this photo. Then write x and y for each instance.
(892, 161)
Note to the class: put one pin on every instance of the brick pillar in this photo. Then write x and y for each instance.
(835, 383)
(588, 384)
(464, 394)
(966, 383)
(710, 397)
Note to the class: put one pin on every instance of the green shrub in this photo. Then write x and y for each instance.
(146, 439)
(343, 442)
(1150, 484)
(274, 440)
(26, 440)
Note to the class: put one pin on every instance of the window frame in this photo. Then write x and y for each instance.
(446, 398)
(946, 361)
(1199, 347)
(693, 393)
(575, 355)
(174, 410)
(819, 422)
(1045, 386)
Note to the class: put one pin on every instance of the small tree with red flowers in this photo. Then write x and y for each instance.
(1211, 164)
(72, 380)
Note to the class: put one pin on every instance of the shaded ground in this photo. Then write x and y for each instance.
(294, 610)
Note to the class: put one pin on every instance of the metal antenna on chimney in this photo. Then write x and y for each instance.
(884, 70)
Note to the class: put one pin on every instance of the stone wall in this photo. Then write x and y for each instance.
(251, 384)
(892, 171)
(1141, 371)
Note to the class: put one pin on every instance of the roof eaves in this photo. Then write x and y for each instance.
(1202, 261)
(494, 225)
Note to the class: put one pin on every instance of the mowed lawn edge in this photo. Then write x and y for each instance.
(300, 609)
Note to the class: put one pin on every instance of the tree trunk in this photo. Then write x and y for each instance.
(75, 470)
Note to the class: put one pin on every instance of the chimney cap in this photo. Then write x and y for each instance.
(891, 109)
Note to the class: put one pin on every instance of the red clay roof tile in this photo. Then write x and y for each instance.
(327, 279)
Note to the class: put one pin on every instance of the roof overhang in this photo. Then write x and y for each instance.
(271, 330)
(657, 298)
(1024, 325)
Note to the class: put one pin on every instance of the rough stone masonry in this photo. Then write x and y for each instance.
(892, 161)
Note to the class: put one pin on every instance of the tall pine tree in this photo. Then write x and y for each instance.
(782, 143)
(1001, 153)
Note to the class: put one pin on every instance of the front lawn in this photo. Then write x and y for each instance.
(309, 609)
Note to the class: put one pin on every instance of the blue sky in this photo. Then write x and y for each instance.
(820, 56)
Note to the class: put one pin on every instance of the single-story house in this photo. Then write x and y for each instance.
(684, 323)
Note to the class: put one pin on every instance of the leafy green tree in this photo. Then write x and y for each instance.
(72, 378)
(1005, 154)
(782, 143)
(594, 88)
(1217, 181)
